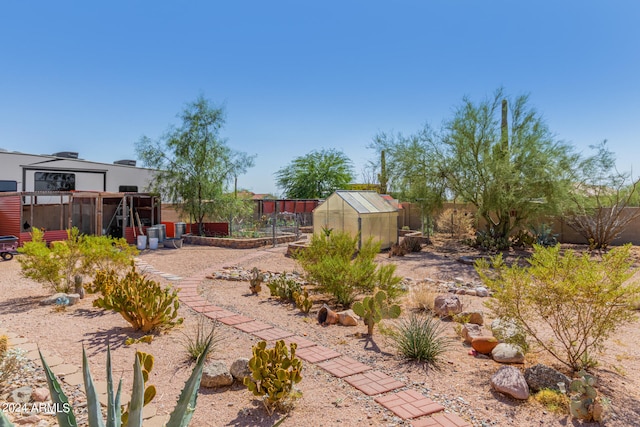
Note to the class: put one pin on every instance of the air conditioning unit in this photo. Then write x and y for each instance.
(66, 154)
(125, 162)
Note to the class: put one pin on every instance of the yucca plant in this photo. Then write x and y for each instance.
(421, 338)
(180, 417)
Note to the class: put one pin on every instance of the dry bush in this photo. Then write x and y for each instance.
(456, 223)
(422, 296)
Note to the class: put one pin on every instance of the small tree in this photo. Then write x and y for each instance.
(193, 163)
(315, 175)
(579, 299)
(601, 198)
(332, 262)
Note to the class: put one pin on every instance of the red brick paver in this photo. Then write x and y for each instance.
(373, 382)
(302, 342)
(272, 334)
(409, 404)
(316, 353)
(213, 312)
(344, 366)
(234, 320)
(441, 420)
(254, 326)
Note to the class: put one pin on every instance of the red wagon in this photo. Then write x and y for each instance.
(8, 245)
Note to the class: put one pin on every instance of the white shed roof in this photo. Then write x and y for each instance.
(365, 201)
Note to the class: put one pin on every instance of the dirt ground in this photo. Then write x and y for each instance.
(461, 384)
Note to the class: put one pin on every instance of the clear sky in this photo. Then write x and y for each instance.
(295, 76)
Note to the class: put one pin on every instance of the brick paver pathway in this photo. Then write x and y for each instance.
(406, 403)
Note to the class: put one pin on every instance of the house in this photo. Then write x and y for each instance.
(59, 191)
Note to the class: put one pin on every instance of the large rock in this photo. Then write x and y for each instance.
(507, 330)
(471, 331)
(471, 317)
(348, 318)
(447, 305)
(216, 374)
(507, 353)
(40, 394)
(484, 344)
(510, 381)
(240, 368)
(53, 298)
(541, 376)
(20, 395)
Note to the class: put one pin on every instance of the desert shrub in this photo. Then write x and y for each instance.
(422, 297)
(143, 303)
(205, 335)
(274, 371)
(59, 264)
(421, 338)
(10, 361)
(456, 223)
(579, 299)
(337, 268)
(412, 243)
(553, 400)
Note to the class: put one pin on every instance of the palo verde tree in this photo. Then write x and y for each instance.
(193, 163)
(315, 175)
(511, 171)
(600, 199)
(411, 169)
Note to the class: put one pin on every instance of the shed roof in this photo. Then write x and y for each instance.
(365, 201)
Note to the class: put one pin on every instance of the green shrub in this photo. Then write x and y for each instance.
(337, 268)
(196, 344)
(421, 338)
(568, 303)
(143, 303)
(273, 374)
(58, 264)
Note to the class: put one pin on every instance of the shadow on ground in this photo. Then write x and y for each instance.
(20, 305)
(97, 342)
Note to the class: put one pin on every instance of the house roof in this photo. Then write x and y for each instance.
(365, 201)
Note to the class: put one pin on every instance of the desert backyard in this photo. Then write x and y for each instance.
(461, 384)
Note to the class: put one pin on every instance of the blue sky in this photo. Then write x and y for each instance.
(295, 76)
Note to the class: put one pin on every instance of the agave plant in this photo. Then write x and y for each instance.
(180, 417)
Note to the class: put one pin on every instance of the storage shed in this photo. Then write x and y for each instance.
(364, 212)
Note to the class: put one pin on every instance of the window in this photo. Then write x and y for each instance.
(55, 181)
(128, 189)
(7, 186)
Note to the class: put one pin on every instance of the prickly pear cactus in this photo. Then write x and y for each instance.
(146, 363)
(585, 403)
(274, 371)
(302, 301)
(142, 302)
(255, 283)
(373, 309)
